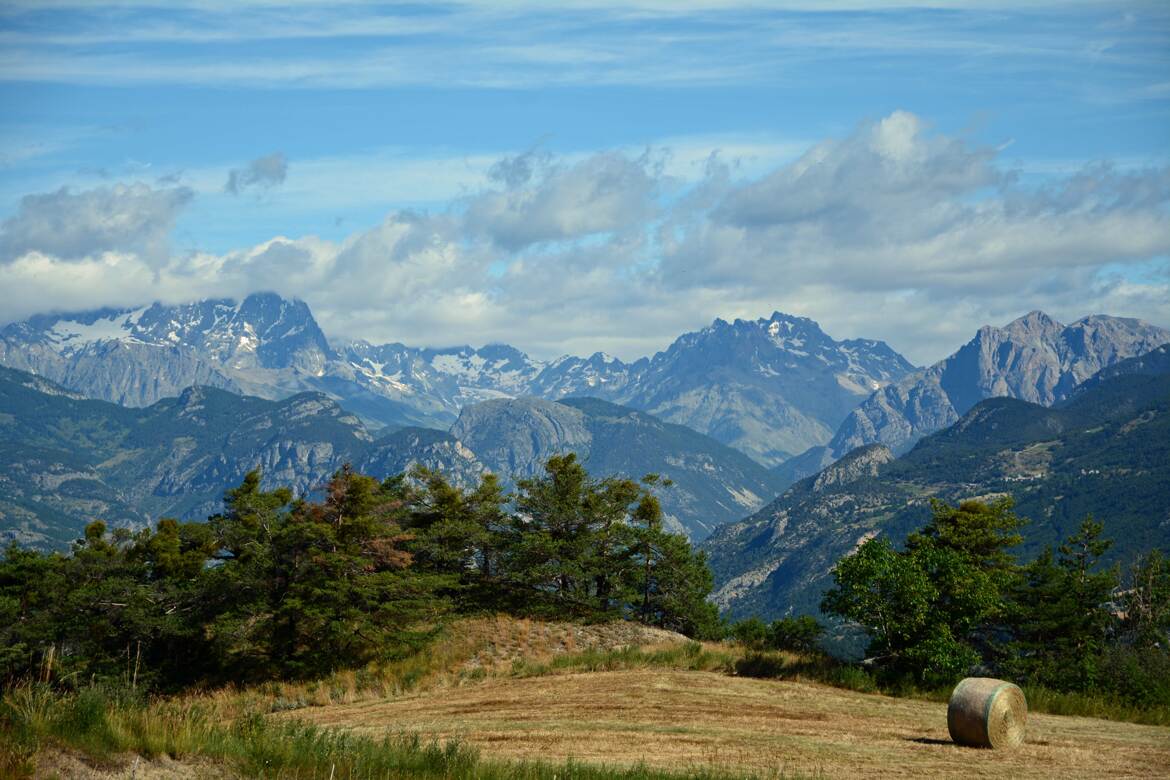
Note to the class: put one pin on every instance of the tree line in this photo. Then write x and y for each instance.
(954, 600)
(280, 587)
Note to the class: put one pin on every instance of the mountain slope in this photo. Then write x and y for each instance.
(1104, 452)
(65, 460)
(713, 483)
(1033, 358)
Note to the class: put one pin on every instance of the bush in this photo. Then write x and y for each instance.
(798, 635)
(756, 664)
(752, 633)
(1137, 676)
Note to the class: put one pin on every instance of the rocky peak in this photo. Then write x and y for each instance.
(861, 462)
(1033, 325)
(1033, 358)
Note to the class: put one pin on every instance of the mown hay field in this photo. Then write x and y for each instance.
(693, 719)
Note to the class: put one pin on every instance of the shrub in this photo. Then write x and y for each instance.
(798, 635)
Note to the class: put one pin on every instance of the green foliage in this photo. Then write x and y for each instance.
(277, 587)
(887, 593)
(1145, 603)
(751, 632)
(794, 634)
(953, 601)
(588, 548)
(1060, 622)
(928, 608)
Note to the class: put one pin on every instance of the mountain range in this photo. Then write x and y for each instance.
(769, 387)
(66, 459)
(1068, 419)
(1104, 450)
(1034, 358)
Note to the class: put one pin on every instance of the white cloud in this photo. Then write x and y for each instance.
(892, 231)
(72, 225)
(544, 201)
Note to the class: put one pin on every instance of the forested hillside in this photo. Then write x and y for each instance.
(1104, 452)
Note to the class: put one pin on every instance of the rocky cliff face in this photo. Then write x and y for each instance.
(515, 437)
(404, 449)
(1033, 359)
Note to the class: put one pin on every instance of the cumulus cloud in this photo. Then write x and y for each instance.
(893, 231)
(542, 200)
(895, 215)
(263, 173)
(69, 225)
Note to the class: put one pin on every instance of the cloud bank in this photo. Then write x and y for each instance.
(892, 231)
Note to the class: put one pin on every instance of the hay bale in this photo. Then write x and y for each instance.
(985, 712)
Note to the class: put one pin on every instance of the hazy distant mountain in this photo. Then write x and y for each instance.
(1105, 451)
(66, 460)
(770, 387)
(713, 483)
(1033, 358)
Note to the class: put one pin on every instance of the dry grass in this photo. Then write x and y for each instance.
(691, 720)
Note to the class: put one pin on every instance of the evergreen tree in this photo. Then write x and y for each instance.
(343, 596)
(33, 587)
(1061, 615)
(561, 543)
(668, 579)
(459, 534)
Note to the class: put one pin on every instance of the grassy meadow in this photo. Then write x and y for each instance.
(500, 697)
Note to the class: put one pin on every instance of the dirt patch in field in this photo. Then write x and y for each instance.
(687, 720)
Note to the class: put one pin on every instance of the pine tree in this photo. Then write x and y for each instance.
(1060, 613)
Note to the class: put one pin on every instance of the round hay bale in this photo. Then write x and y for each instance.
(985, 712)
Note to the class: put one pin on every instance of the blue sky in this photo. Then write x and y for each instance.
(598, 176)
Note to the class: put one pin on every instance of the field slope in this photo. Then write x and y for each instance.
(687, 720)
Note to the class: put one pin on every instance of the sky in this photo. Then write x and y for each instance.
(591, 175)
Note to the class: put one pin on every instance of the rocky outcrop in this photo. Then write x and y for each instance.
(439, 451)
(1033, 359)
(862, 462)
